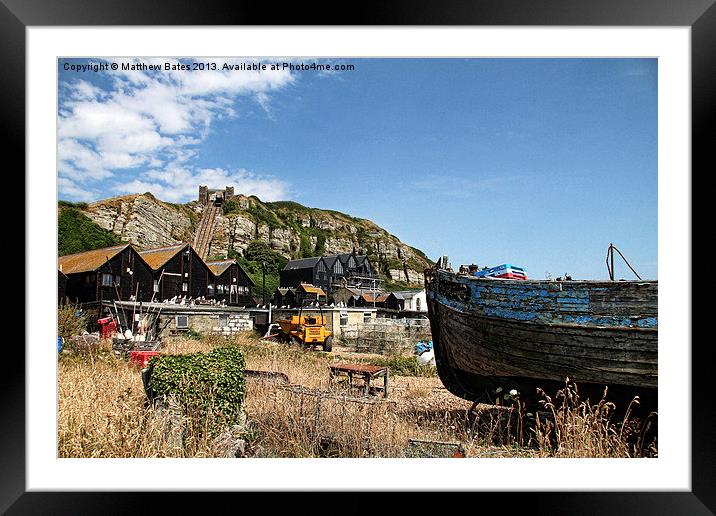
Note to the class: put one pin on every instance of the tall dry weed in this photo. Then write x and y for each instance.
(573, 427)
(103, 412)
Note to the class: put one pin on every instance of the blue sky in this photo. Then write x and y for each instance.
(536, 162)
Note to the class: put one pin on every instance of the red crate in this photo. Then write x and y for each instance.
(109, 327)
(141, 358)
(511, 275)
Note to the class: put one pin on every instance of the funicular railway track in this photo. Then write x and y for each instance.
(205, 230)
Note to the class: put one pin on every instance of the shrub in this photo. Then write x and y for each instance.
(70, 321)
(193, 334)
(209, 387)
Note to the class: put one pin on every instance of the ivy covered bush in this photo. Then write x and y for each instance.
(209, 387)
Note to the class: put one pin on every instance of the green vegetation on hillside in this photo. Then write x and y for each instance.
(258, 253)
(77, 233)
(309, 225)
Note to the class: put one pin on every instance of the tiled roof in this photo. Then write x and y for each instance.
(303, 263)
(88, 260)
(330, 259)
(312, 289)
(158, 257)
(379, 298)
(406, 294)
(220, 267)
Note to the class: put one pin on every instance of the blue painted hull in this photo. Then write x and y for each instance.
(526, 334)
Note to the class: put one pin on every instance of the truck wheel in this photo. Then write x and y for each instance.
(328, 344)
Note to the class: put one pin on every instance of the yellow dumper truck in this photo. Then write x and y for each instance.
(309, 330)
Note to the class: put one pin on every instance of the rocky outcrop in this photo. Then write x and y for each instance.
(142, 220)
(407, 275)
(285, 226)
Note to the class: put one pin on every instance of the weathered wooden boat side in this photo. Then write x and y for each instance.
(522, 334)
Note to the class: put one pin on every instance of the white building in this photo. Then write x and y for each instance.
(411, 300)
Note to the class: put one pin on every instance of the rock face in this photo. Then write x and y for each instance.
(289, 228)
(143, 220)
(407, 275)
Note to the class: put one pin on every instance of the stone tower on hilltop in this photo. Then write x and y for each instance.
(207, 196)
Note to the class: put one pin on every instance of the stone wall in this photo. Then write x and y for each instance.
(205, 323)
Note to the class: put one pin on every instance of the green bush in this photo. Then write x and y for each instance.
(191, 333)
(210, 387)
(70, 322)
(306, 251)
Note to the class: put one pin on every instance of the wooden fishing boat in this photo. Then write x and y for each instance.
(521, 334)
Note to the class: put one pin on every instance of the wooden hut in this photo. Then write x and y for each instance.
(61, 287)
(230, 283)
(284, 297)
(111, 273)
(178, 272)
(371, 299)
(307, 293)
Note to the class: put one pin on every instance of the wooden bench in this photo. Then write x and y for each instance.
(365, 371)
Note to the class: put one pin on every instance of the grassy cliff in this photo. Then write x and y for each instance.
(76, 232)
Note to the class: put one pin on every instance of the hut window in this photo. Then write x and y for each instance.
(417, 303)
(338, 268)
(106, 280)
(182, 322)
(366, 317)
(223, 320)
(344, 318)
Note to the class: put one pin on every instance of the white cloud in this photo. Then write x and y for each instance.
(176, 184)
(79, 162)
(156, 120)
(69, 188)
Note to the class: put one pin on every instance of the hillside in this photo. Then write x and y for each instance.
(288, 229)
(76, 232)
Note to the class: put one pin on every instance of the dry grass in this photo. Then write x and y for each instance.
(574, 428)
(103, 413)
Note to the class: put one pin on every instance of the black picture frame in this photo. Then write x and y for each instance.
(700, 15)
